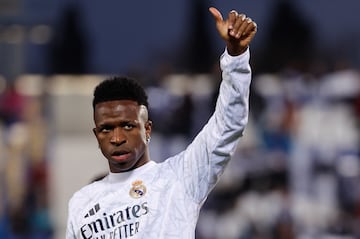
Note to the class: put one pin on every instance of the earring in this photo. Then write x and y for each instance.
(148, 139)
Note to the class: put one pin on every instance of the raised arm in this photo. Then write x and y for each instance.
(201, 164)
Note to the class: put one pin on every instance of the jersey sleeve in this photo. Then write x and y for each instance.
(204, 160)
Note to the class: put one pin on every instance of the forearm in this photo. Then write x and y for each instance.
(232, 107)
(206, 157)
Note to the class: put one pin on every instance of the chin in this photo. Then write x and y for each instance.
(119, 167)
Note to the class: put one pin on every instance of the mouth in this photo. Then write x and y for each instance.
(120, 155)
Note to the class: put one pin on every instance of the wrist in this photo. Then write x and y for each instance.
(235, 51)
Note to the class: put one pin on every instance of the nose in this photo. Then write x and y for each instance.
(118, 137)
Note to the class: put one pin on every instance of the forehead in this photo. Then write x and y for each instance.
(118, 108)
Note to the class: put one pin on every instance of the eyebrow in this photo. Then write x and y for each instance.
(122, 122)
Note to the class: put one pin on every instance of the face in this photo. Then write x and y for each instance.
(122, 129)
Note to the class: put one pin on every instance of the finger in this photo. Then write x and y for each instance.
(216, 14)
(232, 18)
(239, 26)
(250, 28)
(243, 27)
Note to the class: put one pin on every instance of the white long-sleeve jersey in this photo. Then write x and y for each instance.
(163, 200)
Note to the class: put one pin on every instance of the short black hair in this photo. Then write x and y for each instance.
(120, 88)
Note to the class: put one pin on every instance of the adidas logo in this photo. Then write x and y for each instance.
(92, 211)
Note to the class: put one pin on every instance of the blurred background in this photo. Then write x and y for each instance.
(296, 172)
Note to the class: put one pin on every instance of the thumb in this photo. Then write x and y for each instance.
(216, 14)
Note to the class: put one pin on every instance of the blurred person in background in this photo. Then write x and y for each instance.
(24, 210)
(140, 198)
(11, 105)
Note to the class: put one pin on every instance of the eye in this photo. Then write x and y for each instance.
(128, 126)
(105, 129)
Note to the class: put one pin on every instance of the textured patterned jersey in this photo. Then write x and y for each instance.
(162, 200)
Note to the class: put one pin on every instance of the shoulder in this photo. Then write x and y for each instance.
(173, 165)
(85, 194)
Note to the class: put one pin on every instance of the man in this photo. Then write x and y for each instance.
(143, 199)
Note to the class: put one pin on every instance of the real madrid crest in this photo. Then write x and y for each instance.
(138, 189)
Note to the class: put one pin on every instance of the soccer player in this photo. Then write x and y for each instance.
(140, 198)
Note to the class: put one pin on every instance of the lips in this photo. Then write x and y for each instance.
(120, 155)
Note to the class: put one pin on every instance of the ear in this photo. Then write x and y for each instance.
(95, 133)
(148, 127)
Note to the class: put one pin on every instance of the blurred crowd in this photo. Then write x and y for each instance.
(23, 166)
(295, 173)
